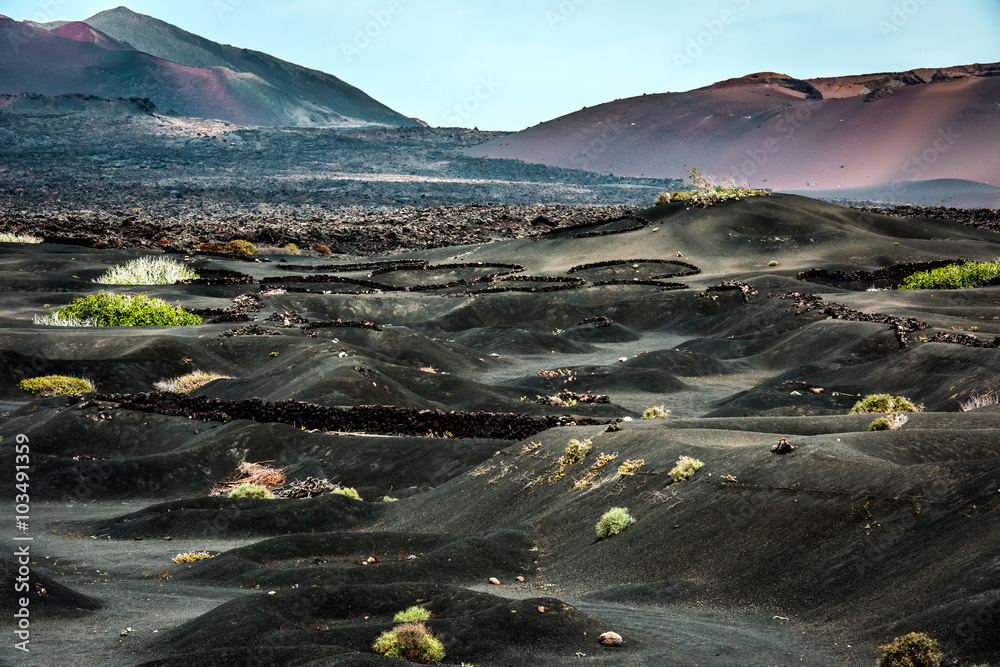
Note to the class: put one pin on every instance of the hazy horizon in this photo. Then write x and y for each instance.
(510, 66)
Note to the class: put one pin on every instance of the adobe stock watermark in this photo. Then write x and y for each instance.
(714, 29)
(561, 14)
(900, 16)
(461, 112)
(223, 7)
(365, 35)
(48, 10)
(22, 552)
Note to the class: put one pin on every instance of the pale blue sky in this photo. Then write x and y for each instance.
(507, 65)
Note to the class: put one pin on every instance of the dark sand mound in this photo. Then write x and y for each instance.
(473, 626)
(47, 597)
(854, 536)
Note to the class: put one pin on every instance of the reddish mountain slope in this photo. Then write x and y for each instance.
(246, 87)
(788, 134)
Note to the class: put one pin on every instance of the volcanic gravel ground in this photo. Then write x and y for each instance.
(440, 382)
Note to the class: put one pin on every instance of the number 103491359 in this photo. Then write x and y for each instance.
(22, 464)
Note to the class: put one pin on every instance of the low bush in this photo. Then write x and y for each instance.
(209, 247)
(630, 467)
(983, 400)
(185, 384)
(240, 247)
(348, 491)
(56, 385)
(708, 190)
(389, 499)
(884, 403)
(147, 271)
(655, 413)
(893, 422)
(614, 521)
(575, 451)
(247, 490)
(7, 237)
(412, 614)
(322, 249)
(107, 309)
(952, 276)
(191, 557)
(292, 248)
(412, 642)
(685, 468)
(913, 650)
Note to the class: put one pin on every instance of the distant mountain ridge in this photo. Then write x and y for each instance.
(120, 53)
(866, 133)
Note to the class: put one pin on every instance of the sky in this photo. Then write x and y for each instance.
(507, 65)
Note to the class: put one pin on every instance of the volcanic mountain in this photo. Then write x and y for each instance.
(119, 53)
(861, 137)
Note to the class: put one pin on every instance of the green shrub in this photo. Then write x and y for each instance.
(412, 614)
(119, 310)
(347, 491)
(884, 403)
(147, 271)
(292, 248)
(185, 384)
(240, 247)
(614, 521)
(772, 263)
(952, 276)
(655, 413)
(192, 557)
(685, 468)
(913, 650)
(247, 490)
(56, 385)
(708, 190)
(7, 237)
(389, 499)
(412, 642)
(575, 451)
(892, 422)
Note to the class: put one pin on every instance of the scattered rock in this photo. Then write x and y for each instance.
(782, 447)
(610, 639)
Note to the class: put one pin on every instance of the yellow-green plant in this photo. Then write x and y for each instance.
(613, 522)
(685, 468)
(411, 614)
(913, 650)
(56, 385)
(192, 556)
(348, 491)
(412, 642)
(255, 491)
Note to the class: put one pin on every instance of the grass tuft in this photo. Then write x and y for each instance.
(884, 404)
(913, 650)
(239, 247)
(192, 556)
(613, 522)
(709, 190)
(7, 237)
(107, 309)
(411, 614)
(655, 413)
(56, 385)
(348, 491)
(247, 490)
(685, 468)
(185, 384)
(412, 642)
(952, 276)
(147, 271)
